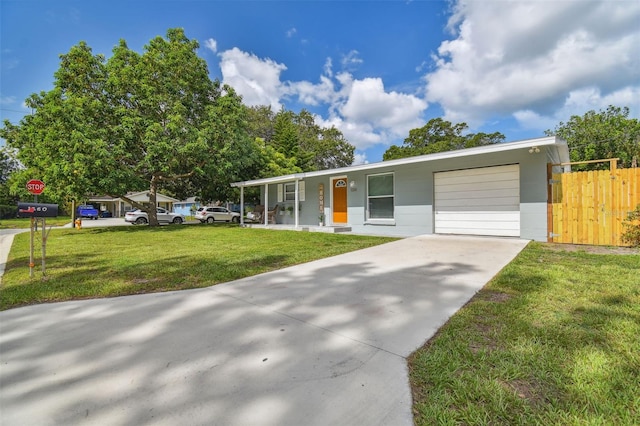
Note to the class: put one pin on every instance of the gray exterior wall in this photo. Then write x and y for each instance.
(414, 194)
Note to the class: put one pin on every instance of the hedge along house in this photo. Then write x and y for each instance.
(497, 190)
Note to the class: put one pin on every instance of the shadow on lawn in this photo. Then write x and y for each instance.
(87, 272)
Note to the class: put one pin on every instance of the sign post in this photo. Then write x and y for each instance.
(31, 263)
(35, 211)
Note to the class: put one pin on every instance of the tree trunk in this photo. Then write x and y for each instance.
(153, 191)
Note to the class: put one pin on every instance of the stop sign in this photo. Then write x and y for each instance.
(35, 186)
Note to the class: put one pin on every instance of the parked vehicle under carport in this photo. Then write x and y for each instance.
(216, 214)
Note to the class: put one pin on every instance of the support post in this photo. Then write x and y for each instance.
(31, 262)
(73, 213)
(44, 245)
(296, 202)
(266, 204)
(242, 206)
(549, 203)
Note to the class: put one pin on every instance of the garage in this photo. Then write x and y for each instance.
(482, 201)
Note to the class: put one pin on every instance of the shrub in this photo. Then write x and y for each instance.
(8, 212)
(631, 235)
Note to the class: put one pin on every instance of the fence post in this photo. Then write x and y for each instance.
(549, 203)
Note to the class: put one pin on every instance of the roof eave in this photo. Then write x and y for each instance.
(267, 181)
(487, 149)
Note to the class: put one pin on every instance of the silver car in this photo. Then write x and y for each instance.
(140, 217)
(216, 214)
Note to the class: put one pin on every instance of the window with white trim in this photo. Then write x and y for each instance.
(380, 196)
(289, 191)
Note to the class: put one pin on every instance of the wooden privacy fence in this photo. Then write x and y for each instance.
(590, 207)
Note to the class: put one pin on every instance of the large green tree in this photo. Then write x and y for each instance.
(8, 166)
(601, 135)
(132, 122)
(439, 135)
(261, 121)
(299, 138)
(8, 163)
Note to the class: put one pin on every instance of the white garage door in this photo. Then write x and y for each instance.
(483, 201)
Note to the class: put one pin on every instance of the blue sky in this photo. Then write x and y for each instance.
(373, 69)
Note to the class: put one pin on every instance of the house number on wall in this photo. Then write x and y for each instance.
(321, 197)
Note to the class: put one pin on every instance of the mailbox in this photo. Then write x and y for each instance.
(37, 210)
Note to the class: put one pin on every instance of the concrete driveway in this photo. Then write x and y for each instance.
(324, 343)
(101, 222)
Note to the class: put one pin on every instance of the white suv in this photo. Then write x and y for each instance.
(139, 217)
(213, 214)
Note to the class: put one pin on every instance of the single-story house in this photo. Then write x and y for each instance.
(119, 207)
(186, 207)
(497, 190)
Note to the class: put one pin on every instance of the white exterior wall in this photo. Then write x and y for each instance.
(414, 188)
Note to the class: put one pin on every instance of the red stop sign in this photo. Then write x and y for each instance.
(35, 186)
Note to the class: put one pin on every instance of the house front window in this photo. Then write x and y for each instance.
(380, 197)
(289, 191)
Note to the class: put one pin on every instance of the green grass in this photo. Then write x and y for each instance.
(103, 262)
(554, 339)
(26, 223)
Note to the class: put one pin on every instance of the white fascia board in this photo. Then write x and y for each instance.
(165, 198)
(143, 196)
(267, 181)
(488, 149)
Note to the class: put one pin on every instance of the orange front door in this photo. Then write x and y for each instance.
(340, 200)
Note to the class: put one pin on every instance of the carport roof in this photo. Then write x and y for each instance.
(560, 154)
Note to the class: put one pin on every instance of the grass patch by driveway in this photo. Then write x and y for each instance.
(553, 339)
(25, 223)
(116, 261)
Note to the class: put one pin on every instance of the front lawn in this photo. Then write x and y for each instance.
(103, 262)
(554, 339)
(25, 223)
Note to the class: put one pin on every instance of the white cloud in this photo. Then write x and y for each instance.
(367, 115)
(533, 121)
(351, 60)
(328, 67)
(577, 103)
(536, 59)
(360, 158)
(368, 101)
(360, 134)
(362, 110)
(291, 32)
(257, 80)
(314, 94)
(211, 44)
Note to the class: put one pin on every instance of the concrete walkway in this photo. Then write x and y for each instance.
(324, 343)
(6, 240)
